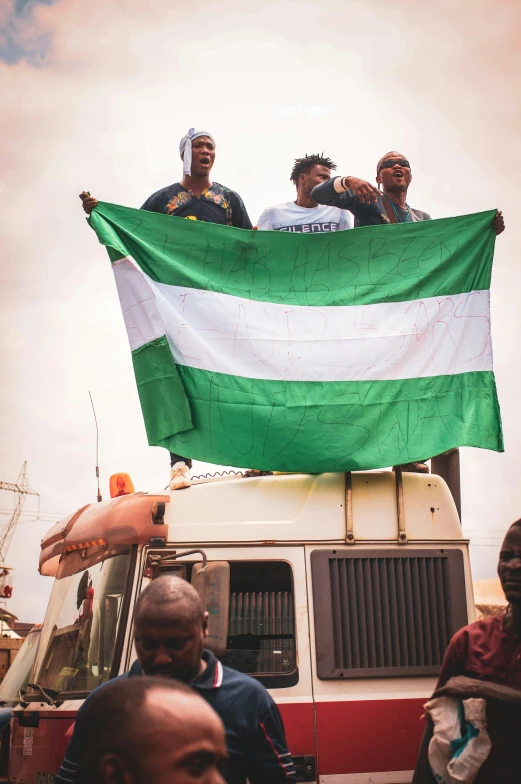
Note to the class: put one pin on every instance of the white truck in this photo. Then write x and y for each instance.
(339, 592)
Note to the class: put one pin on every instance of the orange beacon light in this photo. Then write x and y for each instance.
(120, 484)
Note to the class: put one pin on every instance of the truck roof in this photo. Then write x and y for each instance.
(312, 507)
(281, 508)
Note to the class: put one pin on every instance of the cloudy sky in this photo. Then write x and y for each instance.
(97, 94)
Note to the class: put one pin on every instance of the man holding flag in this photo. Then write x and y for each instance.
(290, 352)
(387, 205)
(195, 198)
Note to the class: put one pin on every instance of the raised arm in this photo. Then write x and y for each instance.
(345, 192)
(89, 202)
(498, 224)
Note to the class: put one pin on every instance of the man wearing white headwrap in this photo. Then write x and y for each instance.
(185, 147)
(198, 198)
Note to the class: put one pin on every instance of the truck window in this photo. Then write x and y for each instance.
(81, 627)
(385, 612)
(261, 625)
(261, 630)
(18, 674)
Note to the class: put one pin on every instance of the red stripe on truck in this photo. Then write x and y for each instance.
(299, 725)
(368, 736)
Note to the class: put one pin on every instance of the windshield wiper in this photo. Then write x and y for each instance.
(49, 695)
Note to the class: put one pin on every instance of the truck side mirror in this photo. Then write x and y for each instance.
(212, 583)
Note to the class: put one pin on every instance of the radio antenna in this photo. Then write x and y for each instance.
(97, 443)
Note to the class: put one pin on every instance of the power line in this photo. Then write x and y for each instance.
(36, 520)
(29, 513)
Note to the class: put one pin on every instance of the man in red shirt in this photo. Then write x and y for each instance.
(490, 649)
(483, 661)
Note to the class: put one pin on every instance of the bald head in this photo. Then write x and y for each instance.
(175, 595)
(170, 628)
(148, 729)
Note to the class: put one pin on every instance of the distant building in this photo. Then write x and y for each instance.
(22, 628)
(7, 623)
(10, 641)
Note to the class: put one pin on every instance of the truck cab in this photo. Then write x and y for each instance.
(339, 592)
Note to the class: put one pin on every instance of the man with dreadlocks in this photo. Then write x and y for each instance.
(304, 214)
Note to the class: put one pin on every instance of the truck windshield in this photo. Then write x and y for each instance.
(81, 625)
(18, 674)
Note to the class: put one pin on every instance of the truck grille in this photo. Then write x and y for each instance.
(386, 613)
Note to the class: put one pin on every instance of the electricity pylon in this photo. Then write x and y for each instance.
(21, 489)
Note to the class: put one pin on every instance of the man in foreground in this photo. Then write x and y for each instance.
(196, 197)
(304, 214)
(170, 627)
(150, 731)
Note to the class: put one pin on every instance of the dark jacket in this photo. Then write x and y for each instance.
(504, 728)
(372, 214)
(254, 731)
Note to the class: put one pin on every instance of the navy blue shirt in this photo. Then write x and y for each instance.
(217, 204)
(372, 214)
(255, 737)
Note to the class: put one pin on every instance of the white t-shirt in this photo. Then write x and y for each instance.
(290, 217)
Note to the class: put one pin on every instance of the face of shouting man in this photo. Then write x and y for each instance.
(203, 156)
(394, 173)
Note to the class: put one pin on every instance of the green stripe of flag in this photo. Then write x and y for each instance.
(159, 385)
(390, 263)
(314, 426)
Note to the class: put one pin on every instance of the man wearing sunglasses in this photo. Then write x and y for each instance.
(388, 204)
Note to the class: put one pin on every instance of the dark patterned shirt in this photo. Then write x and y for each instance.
(216, 204)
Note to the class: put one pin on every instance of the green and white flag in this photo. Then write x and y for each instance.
(308, 352)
